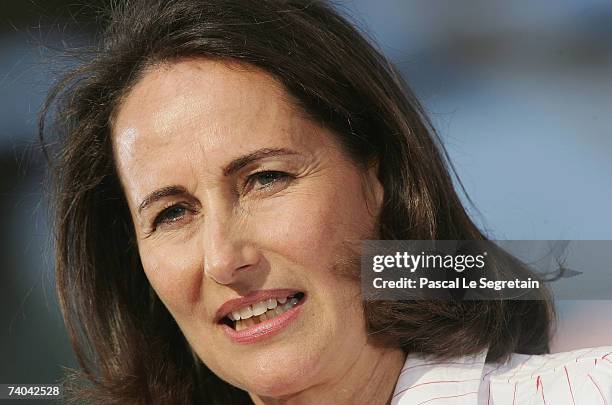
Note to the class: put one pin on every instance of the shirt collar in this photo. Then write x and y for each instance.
(425, 378)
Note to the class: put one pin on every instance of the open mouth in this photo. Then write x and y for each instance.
(251, 315)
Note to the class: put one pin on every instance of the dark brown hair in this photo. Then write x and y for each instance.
(129, 347)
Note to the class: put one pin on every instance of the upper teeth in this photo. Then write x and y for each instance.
(259, 308)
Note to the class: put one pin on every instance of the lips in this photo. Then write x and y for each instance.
(259, 314)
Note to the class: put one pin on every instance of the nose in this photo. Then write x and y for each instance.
(227, 253)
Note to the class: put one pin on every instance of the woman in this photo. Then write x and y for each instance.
(220, 163)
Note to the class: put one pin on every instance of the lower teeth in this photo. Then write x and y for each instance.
(269, 314)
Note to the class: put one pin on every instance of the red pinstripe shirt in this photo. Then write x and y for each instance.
(580, 377)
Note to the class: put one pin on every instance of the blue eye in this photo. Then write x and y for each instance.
(267, 178)
(171, 214)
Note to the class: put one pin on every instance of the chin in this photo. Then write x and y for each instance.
(280, 374)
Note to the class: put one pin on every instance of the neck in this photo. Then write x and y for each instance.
(370, 379)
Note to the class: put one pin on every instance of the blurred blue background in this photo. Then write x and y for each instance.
(520, 91)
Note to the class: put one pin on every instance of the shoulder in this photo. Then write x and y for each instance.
(577, 377)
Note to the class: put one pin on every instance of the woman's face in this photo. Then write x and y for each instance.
(242, 205)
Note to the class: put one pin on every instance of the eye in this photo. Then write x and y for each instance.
(170, 214)
(265, 179)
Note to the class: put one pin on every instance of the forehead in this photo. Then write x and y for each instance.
(203, 111)
(193, 94)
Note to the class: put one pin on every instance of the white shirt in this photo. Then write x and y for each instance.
(580, 377)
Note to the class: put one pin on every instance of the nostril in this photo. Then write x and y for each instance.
(224, 268)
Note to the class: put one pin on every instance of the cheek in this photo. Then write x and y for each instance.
(174, 274)
(315, 225)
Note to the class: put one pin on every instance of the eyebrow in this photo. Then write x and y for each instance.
(159, 194)
(249, 158)
(230, 169)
